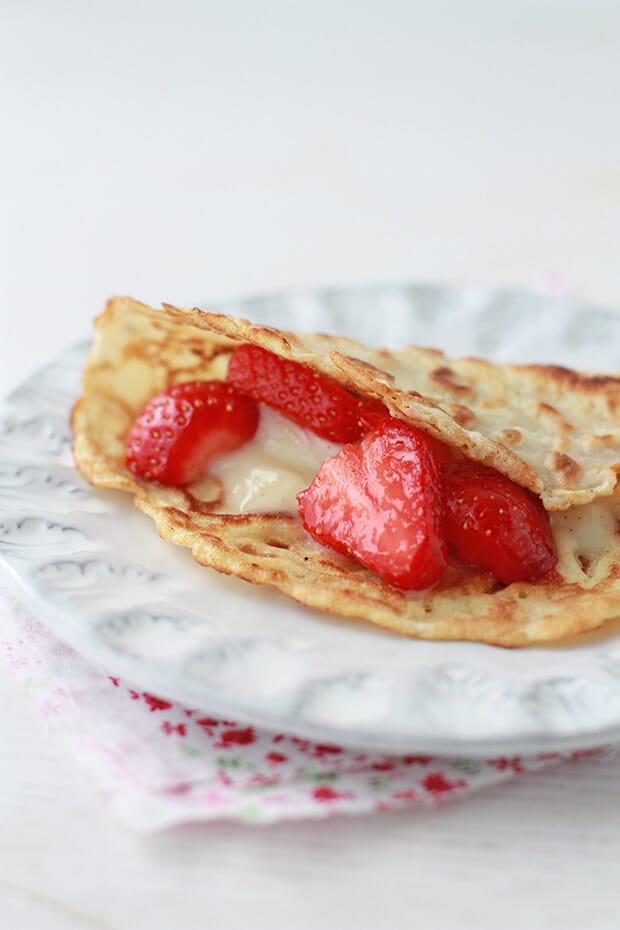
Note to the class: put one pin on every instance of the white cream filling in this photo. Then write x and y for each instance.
(266, 474)
(586, 533)
(590, 528)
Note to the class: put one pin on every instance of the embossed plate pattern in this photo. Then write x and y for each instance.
(98, 576)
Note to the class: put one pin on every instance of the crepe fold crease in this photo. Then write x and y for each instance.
(549, 429)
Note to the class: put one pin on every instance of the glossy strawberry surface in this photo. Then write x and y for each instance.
(495, 525)
(310, 399)
(380, 502)
(181, 431)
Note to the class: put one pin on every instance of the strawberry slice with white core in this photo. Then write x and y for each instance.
(380, 502)
(181, 431)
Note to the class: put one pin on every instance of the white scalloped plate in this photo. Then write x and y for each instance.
(97, 574)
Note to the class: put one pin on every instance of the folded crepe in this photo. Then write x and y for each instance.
(547, 428)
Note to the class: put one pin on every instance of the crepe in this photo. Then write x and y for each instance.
(554, 431)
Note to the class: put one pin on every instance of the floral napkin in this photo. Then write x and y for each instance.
(159, 764)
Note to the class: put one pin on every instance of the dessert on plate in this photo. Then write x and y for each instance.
(439, 498)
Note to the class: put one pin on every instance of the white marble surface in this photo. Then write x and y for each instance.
(199, 150)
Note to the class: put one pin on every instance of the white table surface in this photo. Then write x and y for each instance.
(198, 150)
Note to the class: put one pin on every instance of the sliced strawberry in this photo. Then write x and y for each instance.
(495, 525)
(304, 396)
(369, 413)
(445, 456)
(180, 432)
(381, 503)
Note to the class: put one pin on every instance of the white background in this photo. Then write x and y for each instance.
(189, 151)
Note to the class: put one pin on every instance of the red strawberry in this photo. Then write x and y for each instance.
(369, 413)
(495, 525)
(296, 391)
(445, 456)
(181, 431)
(381, 503)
